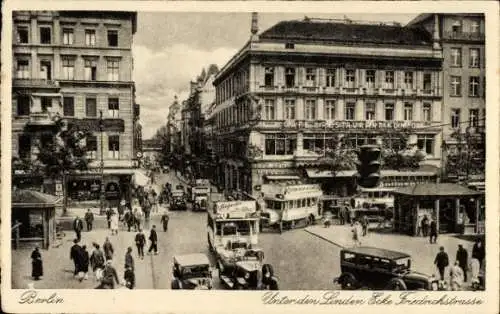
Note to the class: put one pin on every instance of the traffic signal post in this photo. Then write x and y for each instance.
(369, 165)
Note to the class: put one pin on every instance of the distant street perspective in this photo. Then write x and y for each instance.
(292, 153)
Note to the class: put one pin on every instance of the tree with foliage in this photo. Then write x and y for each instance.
(60, 150)
(337, 156)
(468, 156)
(398, 153)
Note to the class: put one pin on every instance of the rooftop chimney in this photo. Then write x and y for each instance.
(255, 26)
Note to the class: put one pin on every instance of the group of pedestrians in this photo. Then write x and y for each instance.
(459, 270)
(427, 228)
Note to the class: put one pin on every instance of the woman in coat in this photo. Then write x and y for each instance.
(37, 264)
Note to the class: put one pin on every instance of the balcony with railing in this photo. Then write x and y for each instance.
(35, 83)
(42, 118)
(476, 36)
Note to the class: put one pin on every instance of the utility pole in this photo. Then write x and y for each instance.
(101, 196)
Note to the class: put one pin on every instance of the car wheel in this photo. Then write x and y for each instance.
(348, 282)
(396, 284)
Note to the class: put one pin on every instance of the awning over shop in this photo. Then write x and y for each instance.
(33, 199)
(282, 177)
(314, 174)
(436, 189)
(54, 95)
(140, 179)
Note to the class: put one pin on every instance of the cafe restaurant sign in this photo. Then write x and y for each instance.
(354, 125)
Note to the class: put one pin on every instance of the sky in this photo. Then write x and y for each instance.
(170, 49)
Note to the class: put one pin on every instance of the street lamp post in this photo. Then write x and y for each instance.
(101, 194)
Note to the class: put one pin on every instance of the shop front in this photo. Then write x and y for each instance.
(455, 208)
(33, 218)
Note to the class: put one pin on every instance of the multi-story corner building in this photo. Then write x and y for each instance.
(300, 83)
(78, 65)
(461, 38)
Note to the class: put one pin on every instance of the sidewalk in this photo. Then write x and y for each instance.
(421, 251)
(58, 268)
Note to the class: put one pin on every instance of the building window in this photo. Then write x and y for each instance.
(456, 86)
(408, 80)
(455, 118)
(474, 57)
(23, 105)
(46, 103)
(310, 77)
(23, 69)
(90, 70)
(389, 111)
(370, 111)
(23, 35)
(90, 37)
(290, 109)
(389, 79)
(24, 147)
(269, 109)
(330, 77)
(113, 70)
(313, 142)
(67, 36)
(310, 109)
(269, 76)
(113, 107)
(91, 147)
(474, 86)
(370, 78)
(280, 144)
(350, 77)
(456, 27)
(330, 109)
(408, 112)
(350, 109)
(427, 82)
(113, 38)
(473, 117)
(68, 68)
(90, 107)
(114, 146)
(425, 142)
(474, 27)
(426, 111)
(45, 70)
(45, 35)
(69, 106)
(290, 77)
(289, 46)
(456, 57)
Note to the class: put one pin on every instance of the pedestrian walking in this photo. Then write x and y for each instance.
(108, 249)
(364, 225)
(475, 267)
(129, 260)
(463, 260)
(114, 223)
(478, 252)
(36, 264)
(153, 237)
(456, 277)
(84, 260)
(441, 261)
(355, 234)
(164, 221)
(425, 226)
(78, 227)
(108, 217)
(89, 219)
(75, 256)
(433, 232)
(109, 277)
(419, 226)
(97, 261)
(129, 278)
(140, 242)
(138, 215)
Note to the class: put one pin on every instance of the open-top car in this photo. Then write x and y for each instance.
(192, 271)
(380, 269)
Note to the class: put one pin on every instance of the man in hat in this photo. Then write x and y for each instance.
(164, 220)
(441, 261)
(153, 237)
(89, 219)
(462, 259)
(109, 277)
(78, 227)
(75, 256)
(140, 241)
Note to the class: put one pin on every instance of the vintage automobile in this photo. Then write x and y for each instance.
(249, 274)
(380, 269)
(178, 201)
(192, 271)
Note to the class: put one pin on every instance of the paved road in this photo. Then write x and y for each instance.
(300, 260)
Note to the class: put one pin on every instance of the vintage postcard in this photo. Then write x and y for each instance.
(323, 156)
